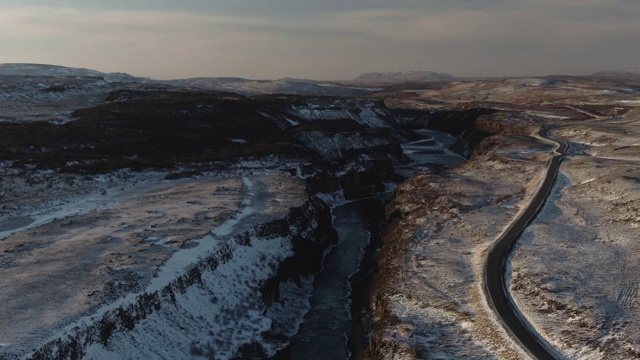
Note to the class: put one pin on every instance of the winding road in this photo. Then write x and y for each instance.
(494, 275)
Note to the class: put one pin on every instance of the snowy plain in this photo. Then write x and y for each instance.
(573, 274)
(137, 237)
(576, 267)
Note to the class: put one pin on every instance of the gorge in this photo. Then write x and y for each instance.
(148, 219)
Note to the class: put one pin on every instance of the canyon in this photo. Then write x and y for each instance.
(195, 218)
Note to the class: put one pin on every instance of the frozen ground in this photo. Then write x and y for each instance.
(576, 271)
(431, 298)
(92, 240)
(73, 247)
(43, 98)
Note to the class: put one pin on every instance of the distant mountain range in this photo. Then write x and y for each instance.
(405, 76)
(256, 87)
(229, 84)
(618, 74)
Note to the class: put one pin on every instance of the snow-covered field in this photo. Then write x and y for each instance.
(576, 270)
(131, 233)
(432, 292)
(574, 273)
(35, 98)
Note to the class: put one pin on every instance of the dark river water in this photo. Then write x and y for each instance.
(324, 334)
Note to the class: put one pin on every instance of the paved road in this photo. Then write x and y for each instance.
(495, 285)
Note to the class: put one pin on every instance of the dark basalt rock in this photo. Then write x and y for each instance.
(160, 128)
(461, 121)
(308, 244)
(372, 181)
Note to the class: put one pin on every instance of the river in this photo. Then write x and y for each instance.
(325, 331)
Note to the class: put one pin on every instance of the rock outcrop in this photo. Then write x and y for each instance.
(160, 128)
(281, 255)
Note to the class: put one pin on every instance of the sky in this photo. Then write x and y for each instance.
(323, 39)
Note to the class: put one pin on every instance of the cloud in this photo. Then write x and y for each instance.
(147, 38)
(332, 39)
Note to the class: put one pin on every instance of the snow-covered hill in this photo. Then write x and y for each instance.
(281, 86)
(617, 74)
(32, 92)
(20, 69)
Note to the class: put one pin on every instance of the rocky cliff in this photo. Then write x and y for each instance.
(246, 298)
(242, 301)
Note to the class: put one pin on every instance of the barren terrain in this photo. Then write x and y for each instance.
(576, 269)
(148, 220)
(574, 274)
(113, 242)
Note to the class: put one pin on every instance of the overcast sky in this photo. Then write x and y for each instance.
(323, 39)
